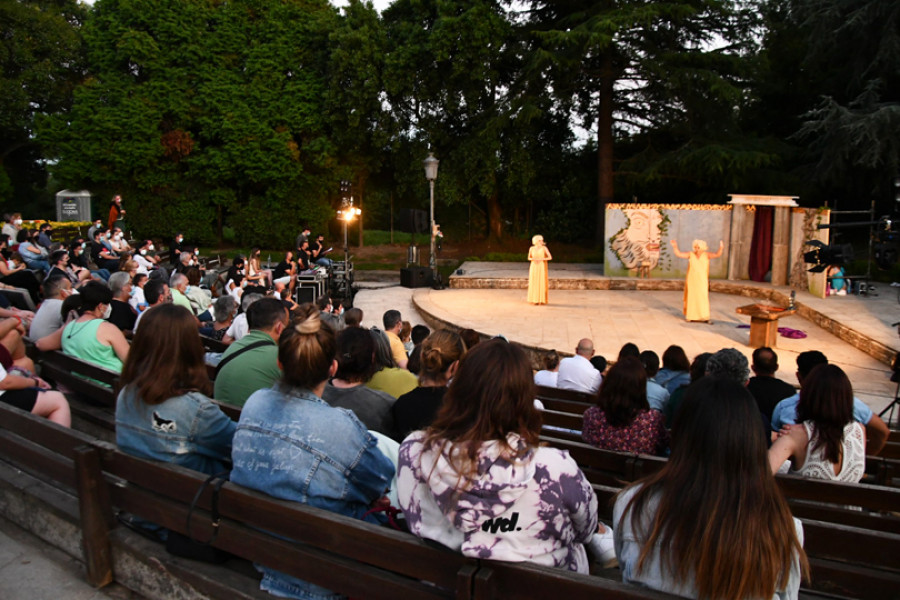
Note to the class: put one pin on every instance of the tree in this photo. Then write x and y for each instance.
(204, 111)
(40, 64)
(361, 125)
(448, 69)
(627, 68)
(854, 130)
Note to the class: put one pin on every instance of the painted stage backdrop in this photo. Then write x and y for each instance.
(638, 238)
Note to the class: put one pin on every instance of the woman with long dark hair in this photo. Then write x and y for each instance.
(623, 420)
(164, 411)
(712, 522)
(827, 443)
(478, 480)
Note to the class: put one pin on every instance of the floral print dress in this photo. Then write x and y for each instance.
(646, 434)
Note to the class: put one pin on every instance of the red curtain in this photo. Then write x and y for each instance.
(761, 246)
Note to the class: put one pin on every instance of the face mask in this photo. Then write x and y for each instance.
(179, 240)
(151, 247)
(107, 312)
(98, 224)
(119, 236)
(143, 253)
(132, 292)
(197, 252)
(108, 235)
(240, 271)
(18, 221)
(83, 245)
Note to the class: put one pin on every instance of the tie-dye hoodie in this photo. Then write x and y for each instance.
(539, 508)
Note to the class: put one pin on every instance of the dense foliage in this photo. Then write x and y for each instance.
(247, 114)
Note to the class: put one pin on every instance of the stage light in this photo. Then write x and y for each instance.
(823, 256)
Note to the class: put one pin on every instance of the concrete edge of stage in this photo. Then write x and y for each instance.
(825, 315)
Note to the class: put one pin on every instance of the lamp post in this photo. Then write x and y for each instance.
(431, 170)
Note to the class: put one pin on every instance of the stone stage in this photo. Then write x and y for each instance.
(853, 331)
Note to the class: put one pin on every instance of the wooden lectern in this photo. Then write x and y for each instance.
(764, 323)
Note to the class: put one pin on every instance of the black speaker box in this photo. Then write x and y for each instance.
(306, 293)
(415, 277)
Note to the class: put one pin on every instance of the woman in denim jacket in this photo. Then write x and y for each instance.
(163, 411)
(292, 445)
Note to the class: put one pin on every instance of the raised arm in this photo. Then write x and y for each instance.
(721, 249)
(678, 252)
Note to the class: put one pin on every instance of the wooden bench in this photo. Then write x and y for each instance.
(347, 555)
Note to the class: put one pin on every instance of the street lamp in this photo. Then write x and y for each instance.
(431, 169)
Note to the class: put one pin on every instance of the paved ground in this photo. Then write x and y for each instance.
(651, 319)
(31, 569)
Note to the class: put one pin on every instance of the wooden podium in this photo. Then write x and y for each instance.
(764, 323)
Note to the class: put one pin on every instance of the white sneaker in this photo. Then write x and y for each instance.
(601, 549)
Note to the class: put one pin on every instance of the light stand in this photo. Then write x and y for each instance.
(431, 170)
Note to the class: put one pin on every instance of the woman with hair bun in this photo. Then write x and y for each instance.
(440, 355)
(292, 445)
(712, 523)
(827, 443)
(479, 481)
(90, 337)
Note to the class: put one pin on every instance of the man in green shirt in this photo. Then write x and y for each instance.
(251, 363)
(178, 284)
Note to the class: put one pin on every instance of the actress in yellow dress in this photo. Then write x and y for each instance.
(538, 277)
(696, 284)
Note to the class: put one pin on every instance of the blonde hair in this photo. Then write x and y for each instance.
(701, 244)
(536, 238)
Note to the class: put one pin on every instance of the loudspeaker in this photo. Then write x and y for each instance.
(415, 277)
(306, 292)
(413, 220)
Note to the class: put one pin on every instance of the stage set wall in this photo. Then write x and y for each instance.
(635, 231)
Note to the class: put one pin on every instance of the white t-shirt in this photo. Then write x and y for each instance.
(577, 373)
(239, 327)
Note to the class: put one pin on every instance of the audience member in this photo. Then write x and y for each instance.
(356, 364)
(200, 299)
(577, 373)
(418, 335)
(623, 420)
(469, 337)
(392, 324)
(732, 364)
(90, 337)
(388, 378)
(657, 396)
(547, 376)
(251, 363)
(177, 285)
(12, 225)
(144, 258)
(138, 301)
(239, 326)
(317, 252)
(785, 412)
(32, 394)
(600, 363)
(828, 443)
(34, 255)
(698, 370)
(234, 279)
(478, 480)
(224, 308)
(712, 523)
(48, 317)
(156, 292)
(19, 276)
(675, 371)
(255, 273)
(441, 353)
(353, 317)
(334, 462)
(164, 411)
(325, 306)
(629, 349)
(121, 313)
(765, 387)
(45, 233)
(102, 256)
(406, 337)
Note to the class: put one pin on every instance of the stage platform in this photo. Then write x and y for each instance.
(854, 332)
